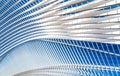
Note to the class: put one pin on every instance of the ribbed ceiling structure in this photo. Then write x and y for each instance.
(81, 37)
(69, 70)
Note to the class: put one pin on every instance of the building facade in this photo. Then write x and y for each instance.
(60, 38)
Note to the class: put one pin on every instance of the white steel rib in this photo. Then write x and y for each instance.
(68, 68)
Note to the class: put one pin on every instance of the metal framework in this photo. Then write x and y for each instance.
(89, 26)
